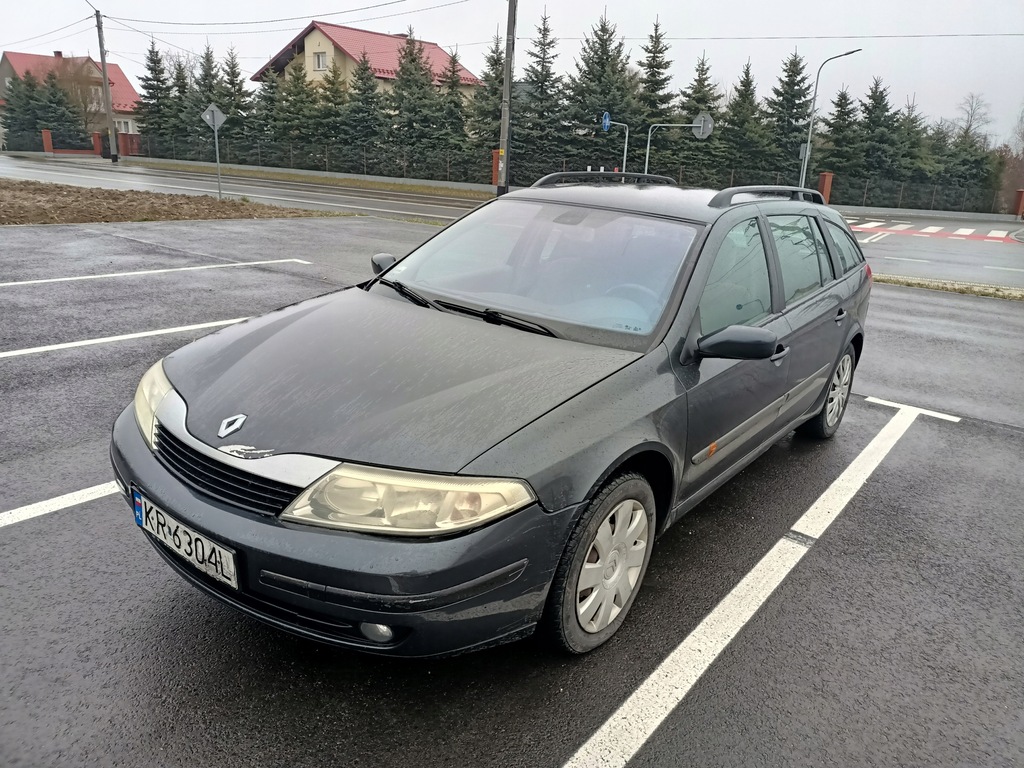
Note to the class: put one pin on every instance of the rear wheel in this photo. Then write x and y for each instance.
(603, 565)
(828, 419)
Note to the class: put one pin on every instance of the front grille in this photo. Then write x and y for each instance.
(222, 481)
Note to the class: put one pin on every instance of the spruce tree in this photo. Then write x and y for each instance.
(176, 140)
(787, 111)
(415, 111)
(450, 141)
(701, 159)
(917, 164)
(483, 120)
(841, 140)
(207, 88)
(21, 115)
(746, 147)
(602, 83)
(363, 126)
(263, 133)
(56, 113)
(155, 102)
(234, 101)
(655, 96)
(296, 114)
(539, 119)
(332, 95)
(878, 125)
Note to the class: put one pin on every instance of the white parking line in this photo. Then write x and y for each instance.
(932, 230)
(152, 272)
(57, 503)
(623, 734)
(124, 337)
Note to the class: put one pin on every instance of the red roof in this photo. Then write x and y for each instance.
(122, 92)
(381, 49)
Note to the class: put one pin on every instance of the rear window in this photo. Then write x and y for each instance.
(849, 254)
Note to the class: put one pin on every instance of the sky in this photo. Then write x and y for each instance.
(935, 72)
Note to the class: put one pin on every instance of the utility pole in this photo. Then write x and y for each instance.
(111, 130)
(506, 98)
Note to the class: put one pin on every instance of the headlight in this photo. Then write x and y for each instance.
(405, 503)
(150, 393)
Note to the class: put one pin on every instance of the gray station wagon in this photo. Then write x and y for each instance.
(488, 436)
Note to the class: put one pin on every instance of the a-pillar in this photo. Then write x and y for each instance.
(825, 185)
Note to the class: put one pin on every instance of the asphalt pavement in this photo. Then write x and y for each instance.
(894, 640)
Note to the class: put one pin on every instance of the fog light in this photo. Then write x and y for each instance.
(378, 633)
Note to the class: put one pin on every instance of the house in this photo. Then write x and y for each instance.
(320, 44)
(82, 78)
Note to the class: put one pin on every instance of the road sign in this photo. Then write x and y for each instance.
(606, 122)
(214, 117)
(703, 125)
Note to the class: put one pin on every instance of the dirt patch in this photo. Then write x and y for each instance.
(36, 202)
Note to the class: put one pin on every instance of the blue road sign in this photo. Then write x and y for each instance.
(606, 122)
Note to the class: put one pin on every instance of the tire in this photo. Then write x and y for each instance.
(626, 504)
(840, 385)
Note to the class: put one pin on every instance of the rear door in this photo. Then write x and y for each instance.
(732, 405)
(813, 307)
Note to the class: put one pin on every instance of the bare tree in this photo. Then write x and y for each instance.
(1017, 135)
(974, 116)
(80, 78)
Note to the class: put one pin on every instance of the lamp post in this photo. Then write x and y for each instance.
(810, 122)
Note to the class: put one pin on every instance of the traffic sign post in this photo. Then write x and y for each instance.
(215, 119)
(607, 123)
(701, 129)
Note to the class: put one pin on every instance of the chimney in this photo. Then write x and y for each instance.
(58, 54)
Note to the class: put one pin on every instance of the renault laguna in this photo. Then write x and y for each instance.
(487, 438)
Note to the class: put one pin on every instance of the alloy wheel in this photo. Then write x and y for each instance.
(839, 391)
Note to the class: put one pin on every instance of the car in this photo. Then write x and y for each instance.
(488, 436)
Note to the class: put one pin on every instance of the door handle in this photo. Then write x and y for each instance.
(780, 352)
(841, 316)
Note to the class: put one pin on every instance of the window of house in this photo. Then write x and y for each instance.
(320, 60)
(738, 291)
(802, 255)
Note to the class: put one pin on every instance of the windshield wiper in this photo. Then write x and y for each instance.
(406, 292)
(496, 317)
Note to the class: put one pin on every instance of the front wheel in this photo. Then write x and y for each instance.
(602, 568)
(827, 420)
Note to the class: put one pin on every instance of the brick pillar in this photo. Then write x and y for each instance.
(825, 185)
(47, 141)
(122, 145)
(1018, 208)
(97, 143)
(495, 155)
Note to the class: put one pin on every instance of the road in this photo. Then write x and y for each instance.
(895, 639)
(289, 194)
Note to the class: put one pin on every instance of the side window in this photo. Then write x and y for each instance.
(797, 244)
(847, 250)
(738, 291)
(824, 263)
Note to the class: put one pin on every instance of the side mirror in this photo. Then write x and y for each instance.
(381, 261)
(739, 342)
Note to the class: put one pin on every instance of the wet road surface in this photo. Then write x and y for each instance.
(895, 639)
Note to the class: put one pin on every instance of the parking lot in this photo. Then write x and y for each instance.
(855, 602)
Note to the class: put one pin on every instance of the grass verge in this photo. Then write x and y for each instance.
(969, 289)
(37, 202)
(334, 181)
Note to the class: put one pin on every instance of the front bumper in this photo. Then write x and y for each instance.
(439, 596)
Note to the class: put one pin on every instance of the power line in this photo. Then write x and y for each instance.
(263, 21)
(151, 36)
(823, 37)
(296, 29)
(46, 34)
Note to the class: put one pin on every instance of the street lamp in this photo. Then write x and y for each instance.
(810, 123)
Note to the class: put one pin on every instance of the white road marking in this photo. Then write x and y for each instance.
(932, 230)
(964, 231)
(152, 272)
(623, 734)
(1007, 269)
(904, 258)
(953, 237)
(57, 503)
(870, 224)
(849, 221)
(918, 234)
(900, 227)
(124, 337)
(920, 411)
(876, 238)
(998, 233)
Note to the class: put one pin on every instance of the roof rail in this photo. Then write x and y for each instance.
(578, 176)
(724, 198)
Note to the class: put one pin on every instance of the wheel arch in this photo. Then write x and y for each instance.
(655, 463)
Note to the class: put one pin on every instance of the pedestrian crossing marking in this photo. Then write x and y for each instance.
(900, 227)
(870, 224)
(964, 231)
(999, 233)
(931, 230)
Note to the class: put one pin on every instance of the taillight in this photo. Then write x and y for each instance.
(869, 269)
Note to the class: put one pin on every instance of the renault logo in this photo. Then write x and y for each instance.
(230, 425)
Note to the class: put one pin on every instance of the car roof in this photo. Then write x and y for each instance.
(652, 199)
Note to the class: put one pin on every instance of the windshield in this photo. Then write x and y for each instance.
(584, 268)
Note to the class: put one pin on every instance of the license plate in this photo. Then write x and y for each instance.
(208, 556)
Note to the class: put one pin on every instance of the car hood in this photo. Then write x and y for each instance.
(368, 378)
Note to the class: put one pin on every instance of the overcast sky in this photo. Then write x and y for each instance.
(937, 72)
